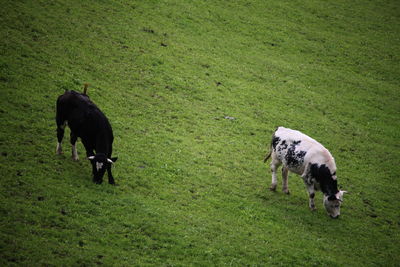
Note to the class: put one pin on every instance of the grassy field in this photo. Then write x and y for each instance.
(194, 90)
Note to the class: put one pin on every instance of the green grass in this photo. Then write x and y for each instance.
(192, 188)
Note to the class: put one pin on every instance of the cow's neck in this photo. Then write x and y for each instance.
(328, 189)
(102, 143)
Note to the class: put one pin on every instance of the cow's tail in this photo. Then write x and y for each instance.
(267, 156)
(85, 87)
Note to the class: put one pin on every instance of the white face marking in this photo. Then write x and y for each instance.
(99, 165)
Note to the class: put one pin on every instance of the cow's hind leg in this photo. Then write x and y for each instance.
(285, 187)
(73, 139)
(60, 135)
(275, 163)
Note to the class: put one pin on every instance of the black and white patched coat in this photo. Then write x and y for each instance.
(303, 155)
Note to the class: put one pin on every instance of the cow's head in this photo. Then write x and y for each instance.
(100, 163)
(332, 204)
(325, 175)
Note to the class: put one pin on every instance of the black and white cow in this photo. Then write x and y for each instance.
(86, 121)
(304, 156)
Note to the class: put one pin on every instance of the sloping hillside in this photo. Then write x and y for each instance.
(194, 90)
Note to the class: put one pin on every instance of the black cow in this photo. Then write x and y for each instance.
(86, 121)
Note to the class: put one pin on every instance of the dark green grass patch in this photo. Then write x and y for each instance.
(194, 91)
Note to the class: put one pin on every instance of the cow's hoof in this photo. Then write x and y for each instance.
(313, 208)
(59, 149)
(97, 181)
(287, 192)
(75, 158)
(272, 188)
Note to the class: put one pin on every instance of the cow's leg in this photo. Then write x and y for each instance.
(89, 153)
(275, 163)
(73, 139)
(109, 173)
(311, 195)
(285, 187)
(89, 149)
(60, 134)
(110, 176)
(309, 182)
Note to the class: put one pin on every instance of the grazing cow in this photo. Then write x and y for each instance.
(303, 155)
(86, 121)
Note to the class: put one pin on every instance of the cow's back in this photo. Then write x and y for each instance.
(296, 149)
(72, 102)
(84, 118)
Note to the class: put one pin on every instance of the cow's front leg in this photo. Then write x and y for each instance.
(311, 195)
(110, 176)
(310, 185)
(90, 153)
(94, 169)
(285, 187)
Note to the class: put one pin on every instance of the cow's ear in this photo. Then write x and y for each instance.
(339, 195)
